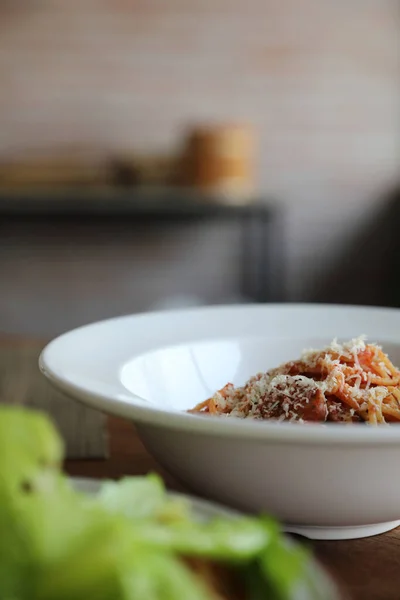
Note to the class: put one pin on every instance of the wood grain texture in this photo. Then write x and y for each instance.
(22, 383)
(367, 569)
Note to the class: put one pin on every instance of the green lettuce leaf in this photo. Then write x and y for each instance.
(141, 498)
(125, 543)
(31, 451)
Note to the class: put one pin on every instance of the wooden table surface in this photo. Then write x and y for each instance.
(21, 383)
(367, 569)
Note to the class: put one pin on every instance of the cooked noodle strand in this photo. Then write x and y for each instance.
(353, 382)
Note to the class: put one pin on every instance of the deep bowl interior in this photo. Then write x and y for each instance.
(152, 367)
(178, 377)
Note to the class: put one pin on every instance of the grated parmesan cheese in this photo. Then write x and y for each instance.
(331, 384)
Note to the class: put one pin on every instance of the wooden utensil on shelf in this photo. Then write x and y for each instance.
(219, 160)
(53, 172)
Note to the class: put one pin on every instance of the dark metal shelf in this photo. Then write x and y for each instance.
(261, 224)
(136, 202)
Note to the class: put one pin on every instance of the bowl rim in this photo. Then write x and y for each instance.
(240, 429)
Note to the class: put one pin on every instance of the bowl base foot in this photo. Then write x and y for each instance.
(341, 533)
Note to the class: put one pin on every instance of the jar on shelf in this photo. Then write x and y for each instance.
(220, 161)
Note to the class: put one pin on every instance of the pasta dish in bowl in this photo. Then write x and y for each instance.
(343, 383)
(314, 442)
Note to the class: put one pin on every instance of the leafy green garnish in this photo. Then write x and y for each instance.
(125, 543)
(141, 498)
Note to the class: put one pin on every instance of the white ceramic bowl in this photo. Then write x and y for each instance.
(331, 482)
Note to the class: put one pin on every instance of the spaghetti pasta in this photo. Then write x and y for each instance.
(346, 383)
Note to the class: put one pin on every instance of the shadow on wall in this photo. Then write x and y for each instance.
(367, 272)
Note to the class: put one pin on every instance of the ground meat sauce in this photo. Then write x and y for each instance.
(293, 398)
(340, 413)
(343, 383)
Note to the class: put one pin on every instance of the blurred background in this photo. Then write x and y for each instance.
(156, 154)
